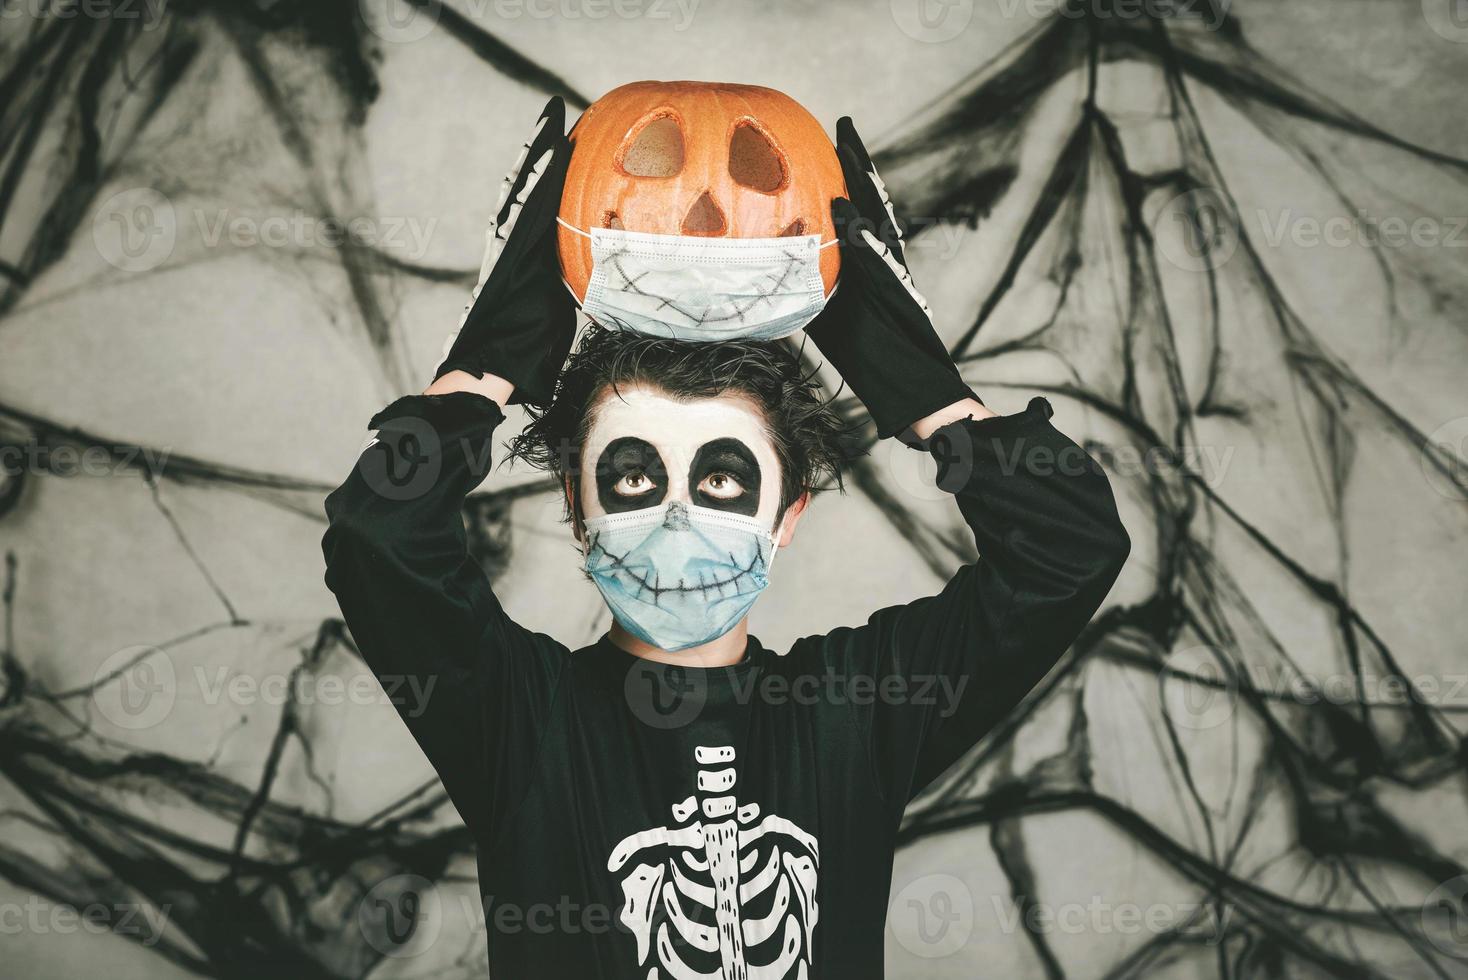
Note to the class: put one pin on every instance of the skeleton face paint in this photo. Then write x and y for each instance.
(646, 447)
(674, 494)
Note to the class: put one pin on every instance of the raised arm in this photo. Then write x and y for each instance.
(472, 685)
(938, 673)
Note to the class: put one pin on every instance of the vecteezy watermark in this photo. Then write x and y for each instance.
(665, 696)
(409, 693)
(932, 21)
(1203, 922)
(920, 234)
(138, 229)
(941, 692)
(1199, 688)
(1200, 231)
(932, 916)
(1445, 917)
(564, 916)
(405, 21)
(1444, 459)
(1361, 229)
(135, 229)
(138, 687)
(401, 916)
(672, 696)
(297, 229)
(68, 460)
(1202, 687)
(1447, 18)
(149, 13)
(403, 458)
(1196, 231)
(135, 688)
(1209, 13)
(40, 916)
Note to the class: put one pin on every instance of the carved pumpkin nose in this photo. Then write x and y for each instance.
(705, 217)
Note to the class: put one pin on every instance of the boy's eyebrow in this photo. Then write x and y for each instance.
(729, 453)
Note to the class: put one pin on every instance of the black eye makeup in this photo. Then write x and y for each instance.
(630, 476)
(725, 476)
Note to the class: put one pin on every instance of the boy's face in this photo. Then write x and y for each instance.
(646, 448)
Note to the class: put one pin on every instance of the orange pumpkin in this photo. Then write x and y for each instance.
(698, 158)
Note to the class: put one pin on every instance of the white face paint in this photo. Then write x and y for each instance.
(687, 436)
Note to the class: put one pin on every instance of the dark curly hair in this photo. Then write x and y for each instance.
(810, 439)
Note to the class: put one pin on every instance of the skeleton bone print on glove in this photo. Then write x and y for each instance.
(757, 875)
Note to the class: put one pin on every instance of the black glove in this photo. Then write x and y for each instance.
(521, 318)
(876, 329)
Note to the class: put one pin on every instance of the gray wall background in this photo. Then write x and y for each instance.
(1228, 244)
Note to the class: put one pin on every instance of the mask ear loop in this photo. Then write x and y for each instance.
(837, 284)
(583, 234)
(570, 227)
(774, 544)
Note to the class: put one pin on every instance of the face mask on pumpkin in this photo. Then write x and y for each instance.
(700, 211)
(688, 287)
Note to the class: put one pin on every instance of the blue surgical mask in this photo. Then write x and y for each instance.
(678, 575)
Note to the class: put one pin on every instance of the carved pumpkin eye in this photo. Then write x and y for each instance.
(754, 162)
(656, 150)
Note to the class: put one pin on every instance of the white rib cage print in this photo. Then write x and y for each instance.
(754, 877)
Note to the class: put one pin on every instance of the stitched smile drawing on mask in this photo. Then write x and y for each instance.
(688, 287)
(675, 575)
(650, 580)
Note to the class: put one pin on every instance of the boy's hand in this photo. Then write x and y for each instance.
(521, 319)
(877, 330)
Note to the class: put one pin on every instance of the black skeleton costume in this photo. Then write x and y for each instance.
(644, 820)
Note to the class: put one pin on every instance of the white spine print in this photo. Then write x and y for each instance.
(718, 855)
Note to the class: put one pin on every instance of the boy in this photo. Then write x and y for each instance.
(676, 800)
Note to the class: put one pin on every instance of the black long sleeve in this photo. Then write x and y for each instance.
(955, 664)
(634, 817)
(473, 686)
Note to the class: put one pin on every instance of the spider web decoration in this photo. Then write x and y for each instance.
(1094, 212)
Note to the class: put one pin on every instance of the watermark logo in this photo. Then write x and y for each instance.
(400, 21)
(665, 696)
(39, 916)
(135, 688)
(136, 229)
(1360, 230)
(401, 916)
(933, 916)
(1204, 922)
(408, 462)
(1447, 18)
(1211, 14)
(1444, 459)
(932, 21)
(149, 13)
(1197, 231)
(1445, 917)
(1198, 694)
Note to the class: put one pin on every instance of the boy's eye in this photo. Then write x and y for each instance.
(634, 484)
(721, 486)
